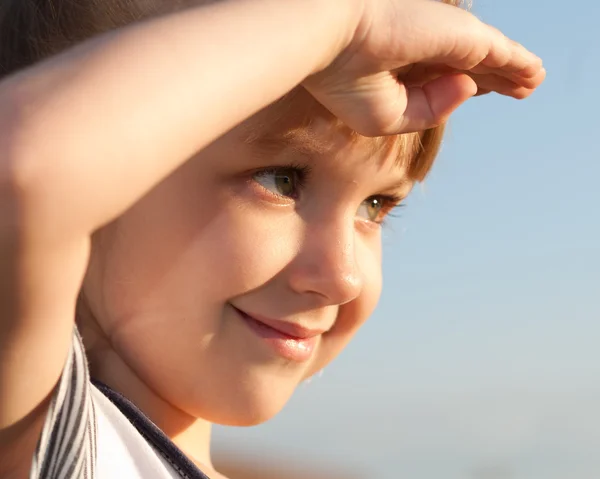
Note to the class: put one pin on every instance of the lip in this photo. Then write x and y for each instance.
(294, 331)
(291, 341)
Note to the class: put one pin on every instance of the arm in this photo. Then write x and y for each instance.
(88, 132)
(133, 105)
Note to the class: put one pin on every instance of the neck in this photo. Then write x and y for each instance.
(190, 434)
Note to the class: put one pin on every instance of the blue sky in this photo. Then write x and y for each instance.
(484, 351)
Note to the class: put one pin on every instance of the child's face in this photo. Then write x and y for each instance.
(282, 232)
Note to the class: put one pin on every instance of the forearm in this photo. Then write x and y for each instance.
(98, 126)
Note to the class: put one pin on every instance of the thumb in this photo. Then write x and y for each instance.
(431, 104)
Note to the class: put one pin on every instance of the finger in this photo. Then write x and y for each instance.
(512, 59)
(531, 81)
(528, 64)
(504, 86)
(469, 44)
(420, 74)
(486, 78)
(432, 104)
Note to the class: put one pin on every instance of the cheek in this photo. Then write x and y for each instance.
(188, 247)
(354, 314)
(249, 248)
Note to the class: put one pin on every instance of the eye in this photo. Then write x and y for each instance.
(280, 181)
(375, 208)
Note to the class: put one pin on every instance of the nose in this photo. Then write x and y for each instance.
(326, 264)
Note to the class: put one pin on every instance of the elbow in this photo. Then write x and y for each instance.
(34, 184)
(17, 172)
(21, 179)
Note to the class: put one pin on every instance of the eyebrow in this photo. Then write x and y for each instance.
(401, 184)
(300, 140)
(307, 142)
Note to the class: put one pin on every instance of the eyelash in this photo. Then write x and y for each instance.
(303, 172)
(391, 207)
(390, 203)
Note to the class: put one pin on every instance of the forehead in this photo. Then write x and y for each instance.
(300, 123)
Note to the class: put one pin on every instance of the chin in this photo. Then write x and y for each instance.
(248, 418)
(240, 413)
(248, 404)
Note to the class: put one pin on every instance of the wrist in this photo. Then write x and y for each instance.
(343, 21)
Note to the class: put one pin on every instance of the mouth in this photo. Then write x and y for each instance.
(288, 340)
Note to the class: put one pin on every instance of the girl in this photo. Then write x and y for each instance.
(202, 185)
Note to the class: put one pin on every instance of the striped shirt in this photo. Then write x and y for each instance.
(93, 432)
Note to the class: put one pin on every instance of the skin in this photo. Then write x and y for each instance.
(164, 276)
(90, 133)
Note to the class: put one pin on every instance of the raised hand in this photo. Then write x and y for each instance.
(410, 63)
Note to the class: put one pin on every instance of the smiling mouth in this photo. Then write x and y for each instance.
(291, 341)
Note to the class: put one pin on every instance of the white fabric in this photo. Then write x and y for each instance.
(122, 450)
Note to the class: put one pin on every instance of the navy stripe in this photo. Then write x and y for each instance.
(180, 462)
